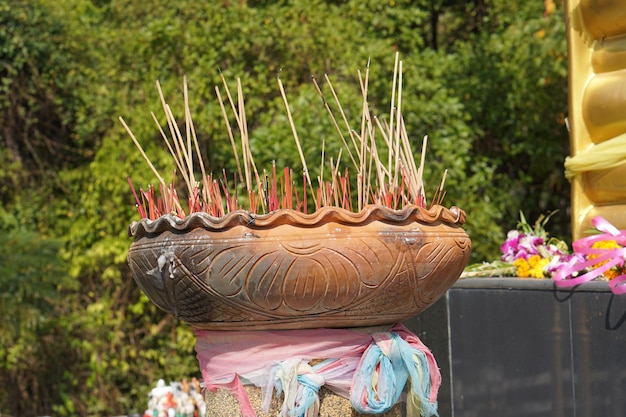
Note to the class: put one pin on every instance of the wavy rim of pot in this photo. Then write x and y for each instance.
(453, 216)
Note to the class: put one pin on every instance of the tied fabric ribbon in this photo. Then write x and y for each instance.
(300, 383)
(307, 400)
(383, 373)
(279, 360)
(606, 258)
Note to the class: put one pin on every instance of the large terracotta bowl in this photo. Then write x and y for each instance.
(288, 270)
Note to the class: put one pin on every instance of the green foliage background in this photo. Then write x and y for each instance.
(486, 80)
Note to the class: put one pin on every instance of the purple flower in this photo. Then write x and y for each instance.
(520, 245)
(510, 247)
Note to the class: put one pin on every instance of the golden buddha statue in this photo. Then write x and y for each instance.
(596, 31)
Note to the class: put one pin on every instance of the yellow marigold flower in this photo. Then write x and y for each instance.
(537, 263)
(533, 260)
(607, 244)
(523, 268)
(612, 273)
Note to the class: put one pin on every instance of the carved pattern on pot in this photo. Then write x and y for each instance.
(288, 270)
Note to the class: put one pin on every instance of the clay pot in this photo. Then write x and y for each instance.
(288, 270)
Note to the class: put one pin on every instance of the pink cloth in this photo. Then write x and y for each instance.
(227, 357)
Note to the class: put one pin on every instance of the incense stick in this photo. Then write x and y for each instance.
(295, 135)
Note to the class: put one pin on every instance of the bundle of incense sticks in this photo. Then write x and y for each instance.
(393, 183)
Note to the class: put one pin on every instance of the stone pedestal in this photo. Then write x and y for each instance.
(223, 403)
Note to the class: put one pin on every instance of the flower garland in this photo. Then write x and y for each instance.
(529, 252)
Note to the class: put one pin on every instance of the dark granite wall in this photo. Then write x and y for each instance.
(513, 347)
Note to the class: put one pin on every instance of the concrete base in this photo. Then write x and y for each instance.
(223, 403)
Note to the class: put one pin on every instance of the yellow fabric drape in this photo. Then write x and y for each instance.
(608, 154)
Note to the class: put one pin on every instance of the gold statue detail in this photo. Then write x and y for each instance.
(596, 31)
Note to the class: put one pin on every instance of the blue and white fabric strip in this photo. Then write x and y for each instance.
(385, 368)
